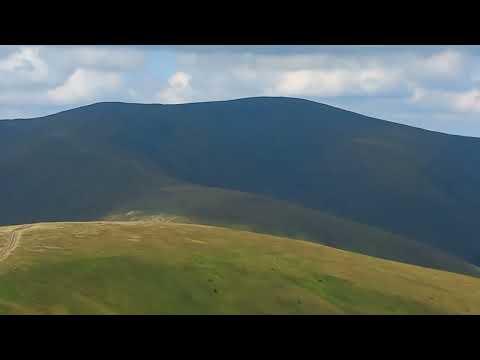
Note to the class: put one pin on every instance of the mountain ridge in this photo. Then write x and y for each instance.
(407, 181)
(101, 103)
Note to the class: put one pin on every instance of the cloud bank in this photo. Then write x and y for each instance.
(417, 85)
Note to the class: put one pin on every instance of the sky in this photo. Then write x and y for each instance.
(432, 87)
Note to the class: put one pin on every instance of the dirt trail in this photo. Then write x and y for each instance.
(12, 242)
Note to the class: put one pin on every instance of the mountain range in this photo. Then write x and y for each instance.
(282, 166)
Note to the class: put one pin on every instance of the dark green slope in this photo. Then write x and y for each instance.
(54, 178)
(407, 181)
(234, 209)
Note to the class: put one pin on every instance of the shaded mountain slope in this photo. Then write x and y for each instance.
(87, 162)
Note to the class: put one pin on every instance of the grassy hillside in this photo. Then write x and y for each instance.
(238, 210)
(166, 268)
(85, 163)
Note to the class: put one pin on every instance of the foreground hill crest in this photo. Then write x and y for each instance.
(156, 267)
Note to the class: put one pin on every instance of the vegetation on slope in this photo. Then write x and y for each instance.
(166, 268)
(256, 213)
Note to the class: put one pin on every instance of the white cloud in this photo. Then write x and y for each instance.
(178, 89)
(24, 65)
(461, 101)
(446, 63)
(43, 75)
(223, 76)
(335, 82)
(114, 58)
(419, 94)
(245, 72)
(84, 85)
(468, 101)
(179, 80)
(20, 98)
(308, 82)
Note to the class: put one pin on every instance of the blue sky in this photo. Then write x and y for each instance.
(432, 87)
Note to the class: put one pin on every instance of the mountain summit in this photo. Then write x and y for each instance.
(254, 162)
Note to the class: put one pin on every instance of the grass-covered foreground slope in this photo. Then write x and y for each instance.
(168, 268)
(252, 212)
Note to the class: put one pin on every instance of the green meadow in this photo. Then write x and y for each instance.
(157, 267)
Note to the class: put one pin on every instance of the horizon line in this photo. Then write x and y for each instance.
(233, 100)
